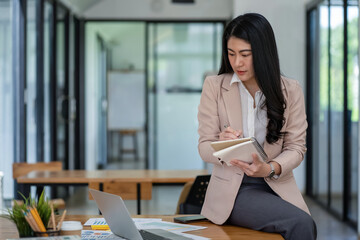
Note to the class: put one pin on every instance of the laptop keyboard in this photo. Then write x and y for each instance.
(151, 236)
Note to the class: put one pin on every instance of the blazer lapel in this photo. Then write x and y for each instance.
(232, 102)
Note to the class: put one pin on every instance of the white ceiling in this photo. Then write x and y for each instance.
(113, 32)
(81, 6)
(151, 9)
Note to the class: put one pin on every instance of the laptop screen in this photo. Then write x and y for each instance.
(116, 214)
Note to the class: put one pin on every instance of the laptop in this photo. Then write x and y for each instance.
(120, 222)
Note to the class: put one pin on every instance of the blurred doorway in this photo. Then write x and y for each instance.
(147, 118)
(180, 55)
(115, 77)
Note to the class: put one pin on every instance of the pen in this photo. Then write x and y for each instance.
(226, 126)
(53, 217)
(61, 220)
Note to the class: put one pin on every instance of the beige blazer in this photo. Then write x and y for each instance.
(220, 105)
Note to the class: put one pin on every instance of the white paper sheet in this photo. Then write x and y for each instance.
(169, 226)
(95, 221)
(194, 237)
(92, 234)
(101, 221)
(141, 223)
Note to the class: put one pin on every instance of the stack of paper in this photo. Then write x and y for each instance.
(142, 223)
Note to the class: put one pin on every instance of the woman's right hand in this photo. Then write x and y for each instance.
(229, 134)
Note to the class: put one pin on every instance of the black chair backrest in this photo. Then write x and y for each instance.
(196, 196)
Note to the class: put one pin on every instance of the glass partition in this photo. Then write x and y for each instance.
(48, 25)
(353, 106)
(31, 81)
(180, 56)
(321, 97)
(6, 97)
(336, 103)
(116, 97)
(61, 91)
(155, 73)
(333, 106)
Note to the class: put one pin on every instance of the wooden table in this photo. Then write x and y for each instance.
(111, 180)
(7, 229)
(212, 231)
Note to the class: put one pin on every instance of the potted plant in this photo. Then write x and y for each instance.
(16, 214)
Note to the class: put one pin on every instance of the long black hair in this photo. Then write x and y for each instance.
(257, 31)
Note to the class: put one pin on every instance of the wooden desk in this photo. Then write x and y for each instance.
(7, 229)
(104, 179)
(212, 231)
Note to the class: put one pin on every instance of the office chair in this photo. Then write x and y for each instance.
(192, 196)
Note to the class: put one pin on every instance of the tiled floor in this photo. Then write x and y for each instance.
(165, 199)
(328, 227)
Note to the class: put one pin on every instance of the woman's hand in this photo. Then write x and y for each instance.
(257, 168)
(229, 134)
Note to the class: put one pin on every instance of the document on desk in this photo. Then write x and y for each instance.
(102, 221)
(194, 237)
(93, 234)
(168, 226)
(151, 223)
(95, 221)
(141, 223)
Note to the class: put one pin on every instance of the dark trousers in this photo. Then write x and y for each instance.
(258, 207)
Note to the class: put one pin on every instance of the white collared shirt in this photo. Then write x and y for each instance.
(254, 119)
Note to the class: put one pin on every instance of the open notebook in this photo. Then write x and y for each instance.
(241, 149)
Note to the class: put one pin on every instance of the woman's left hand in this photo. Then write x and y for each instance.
(257, 168)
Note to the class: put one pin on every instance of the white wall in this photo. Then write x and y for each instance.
(288, 19)
(130, 49)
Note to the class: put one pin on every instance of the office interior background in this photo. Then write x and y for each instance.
(82, 79)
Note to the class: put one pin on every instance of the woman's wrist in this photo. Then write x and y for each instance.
(277, 167)
(269, 170)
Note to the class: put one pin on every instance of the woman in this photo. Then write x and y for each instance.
(250, 98)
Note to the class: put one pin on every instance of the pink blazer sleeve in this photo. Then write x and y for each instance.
(208, 117)
(294, 141)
